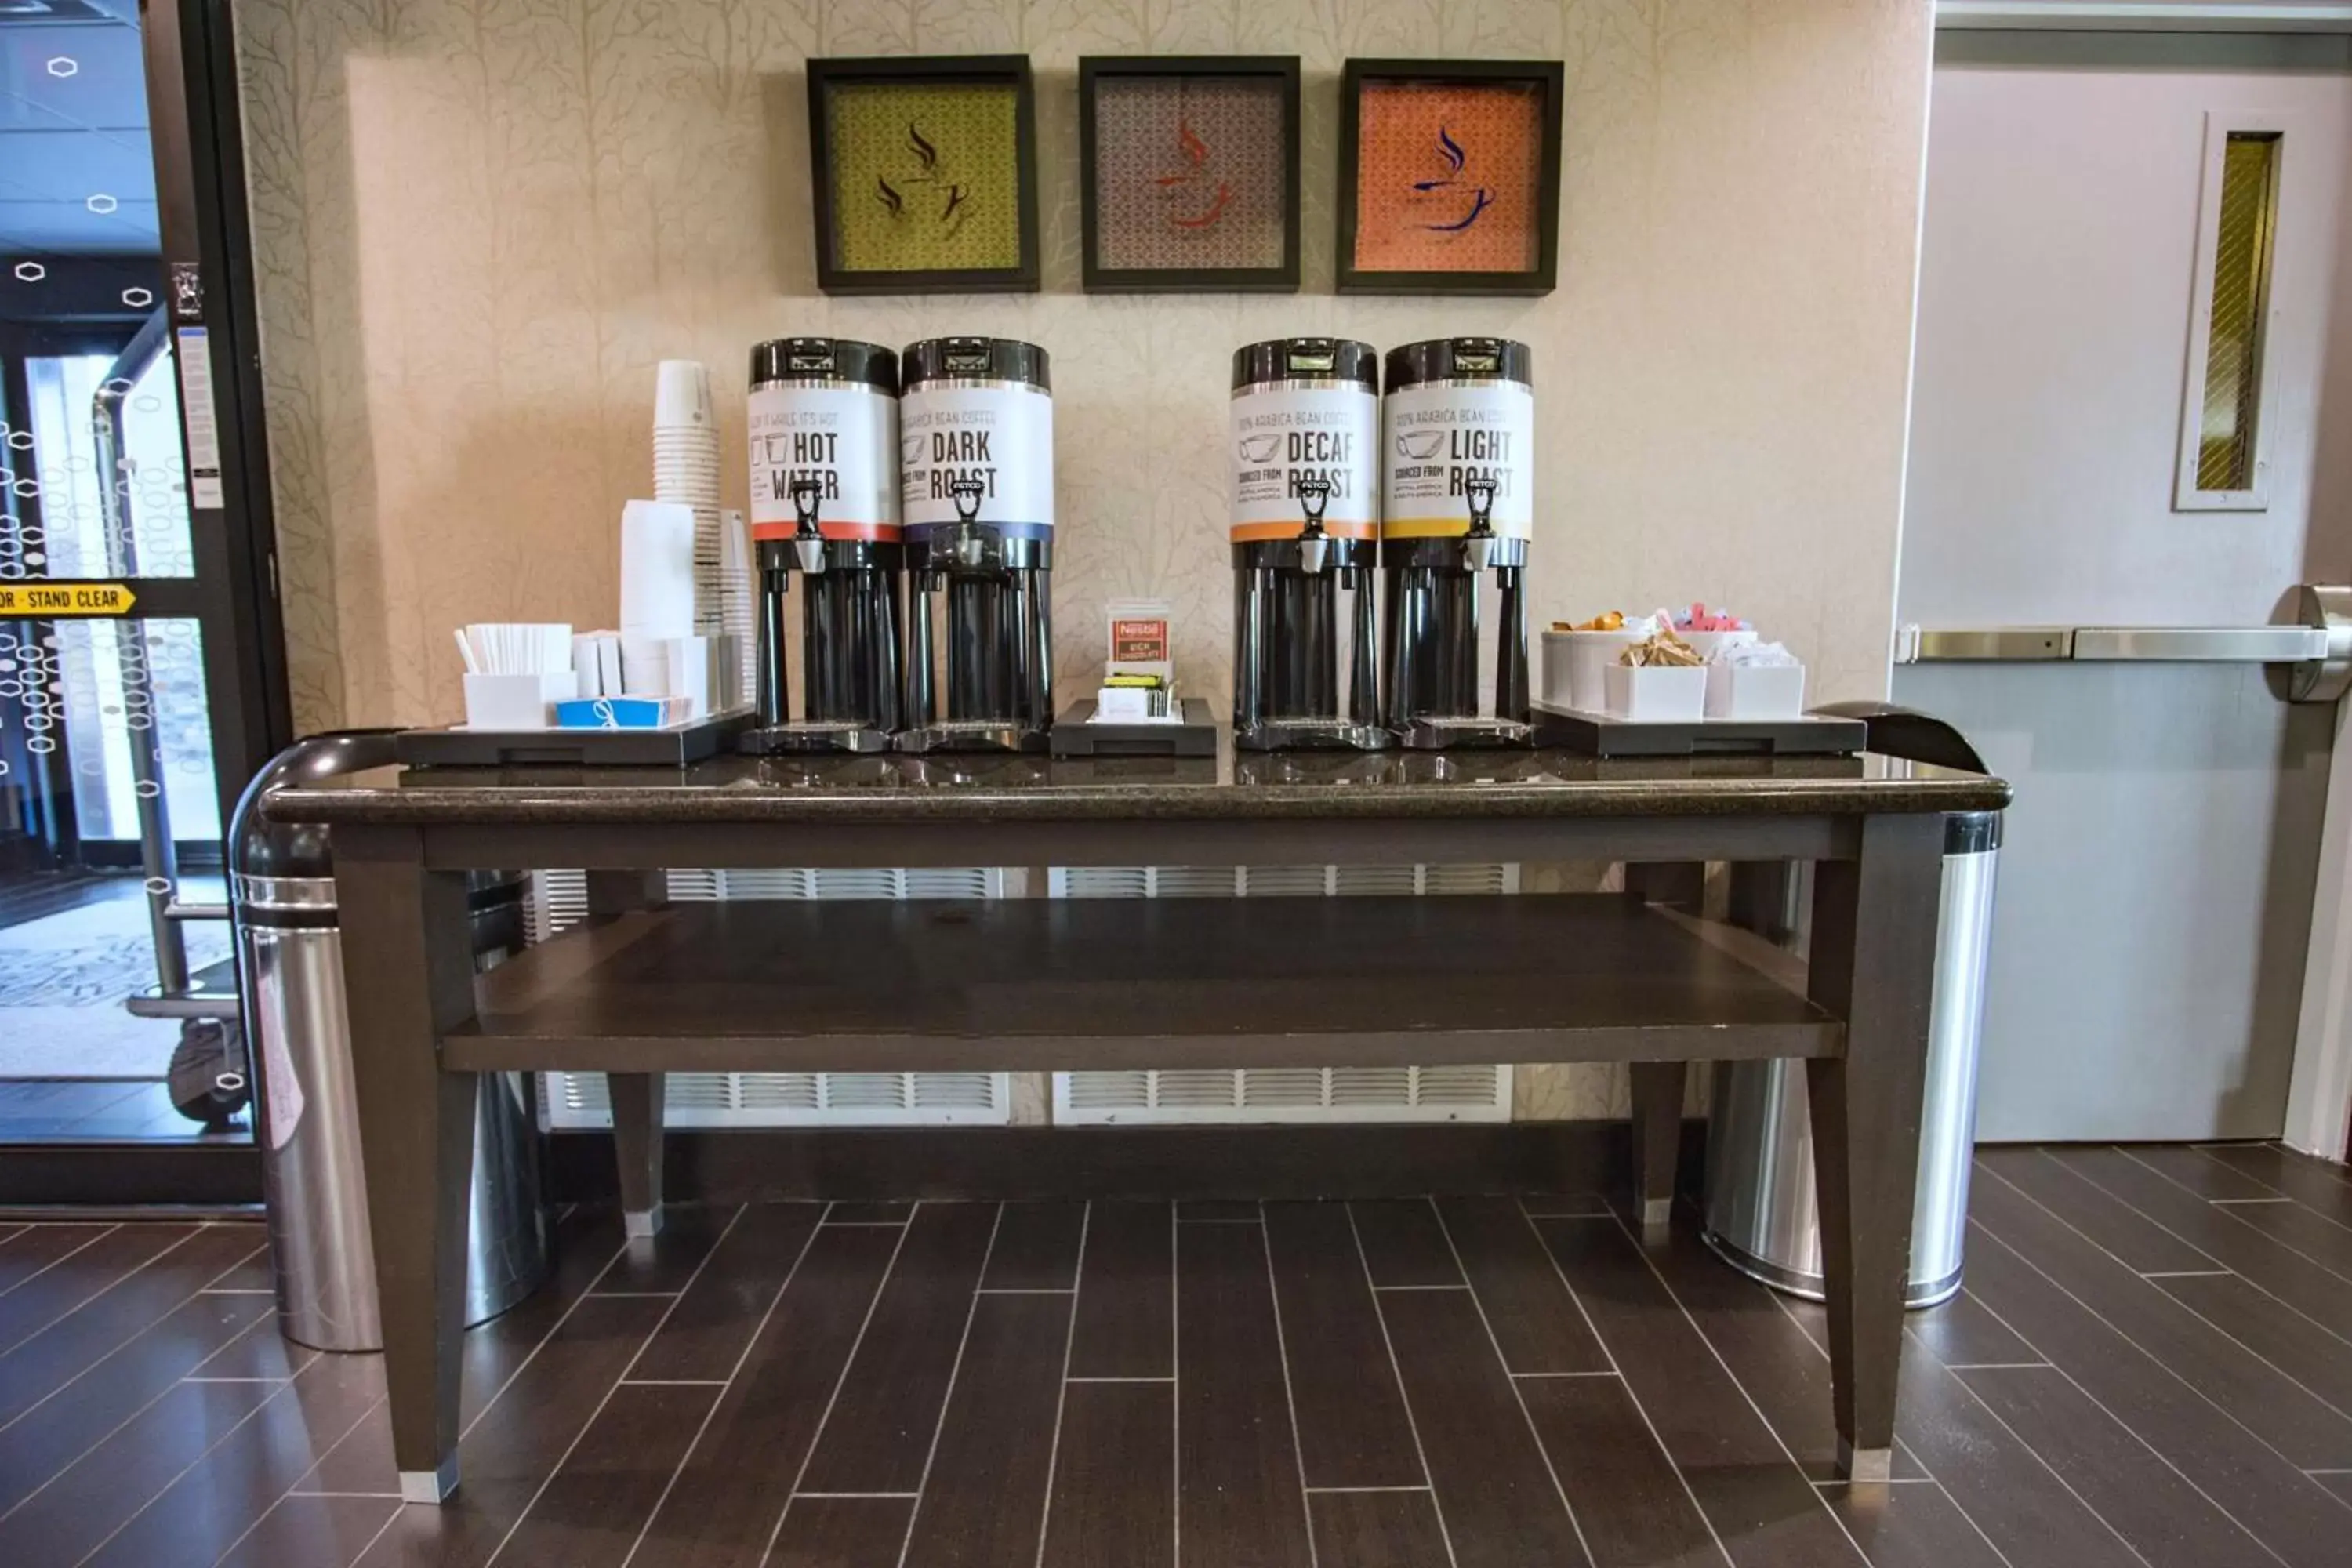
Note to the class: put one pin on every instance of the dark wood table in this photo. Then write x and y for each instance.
(641, 988)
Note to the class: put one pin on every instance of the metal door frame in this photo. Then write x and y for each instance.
(206, 285)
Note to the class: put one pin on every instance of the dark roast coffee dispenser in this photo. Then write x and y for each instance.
(822, 422)
(976, 463)
(1459, 454)
(1304, 534)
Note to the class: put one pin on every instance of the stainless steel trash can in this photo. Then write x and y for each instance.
(291, 975)
(1761, 1215)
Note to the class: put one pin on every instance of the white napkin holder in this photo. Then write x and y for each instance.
(517, 701)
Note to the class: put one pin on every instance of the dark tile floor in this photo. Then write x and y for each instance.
(2152, 1365)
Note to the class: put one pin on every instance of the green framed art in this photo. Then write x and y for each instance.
(925, 174)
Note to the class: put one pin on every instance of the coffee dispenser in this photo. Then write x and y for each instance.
(1305, 505)
(823, 422)
(976, 463)
(1458, 452)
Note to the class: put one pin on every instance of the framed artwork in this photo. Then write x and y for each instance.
(925, 173)
(1449, 176)
(1189, 170)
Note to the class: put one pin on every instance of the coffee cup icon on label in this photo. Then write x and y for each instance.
(1420, 444)
(1260, 449)
(910, 448)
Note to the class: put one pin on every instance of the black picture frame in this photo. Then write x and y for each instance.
(1549, 75)
(1094, 70)
(827, 73)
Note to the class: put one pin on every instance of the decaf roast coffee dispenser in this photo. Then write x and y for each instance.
(976, 465)
(823, 422)
(1459, 454)
(1304, 491)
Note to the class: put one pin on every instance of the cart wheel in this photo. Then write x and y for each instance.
(207, 1075)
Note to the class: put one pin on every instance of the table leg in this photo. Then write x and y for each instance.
(1657, 1140)
(636, 1097)
(637, 1145)
(408, 977)
(1874, 956)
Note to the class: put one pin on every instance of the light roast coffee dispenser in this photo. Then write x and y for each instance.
(1304, 519)
(823, 422)
(1458, 455)
(976, 464)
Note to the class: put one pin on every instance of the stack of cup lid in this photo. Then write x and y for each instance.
(685, 471)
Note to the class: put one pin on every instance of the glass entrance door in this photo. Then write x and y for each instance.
(128, 594)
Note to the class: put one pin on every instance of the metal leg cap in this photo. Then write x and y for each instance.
(430, 1486)
(1657, 1215)
(1864, 1467)
(641, 1223)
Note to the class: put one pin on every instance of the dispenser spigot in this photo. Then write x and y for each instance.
(1314, 546)
(969, 551)
(1478, 544)
(808, 539)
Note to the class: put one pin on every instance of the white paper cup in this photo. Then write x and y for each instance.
(681, 394)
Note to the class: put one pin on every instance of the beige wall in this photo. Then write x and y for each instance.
(479, 225)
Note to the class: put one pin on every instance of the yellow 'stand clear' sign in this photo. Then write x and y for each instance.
(42, 601)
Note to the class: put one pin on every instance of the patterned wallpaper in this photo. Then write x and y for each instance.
(479, 222)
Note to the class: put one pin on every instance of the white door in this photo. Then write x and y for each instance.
(2088, 448)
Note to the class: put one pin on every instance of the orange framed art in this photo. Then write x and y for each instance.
(1449, 176)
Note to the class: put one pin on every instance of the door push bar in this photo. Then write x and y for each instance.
(2311, 656)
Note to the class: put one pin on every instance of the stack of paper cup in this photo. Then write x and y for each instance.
(685, 471)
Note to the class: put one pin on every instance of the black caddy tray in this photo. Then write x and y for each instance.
(1598, 735)
(674, 747)
(1195, 736)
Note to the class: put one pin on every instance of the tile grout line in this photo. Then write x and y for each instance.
(1412, 1422)
(120, 1279)
(111, 1432)
(2238, 1203)
(190, 1467)
(2290, 1377)
(597, 1414)
(2186, 1273)
(947, 1398)
(1352, 1491)
(61, 1258)
(1289, 1399)
(2101, 1405)
(2261, 1234)
(553, 1328)
(1617, 1370)
(1995, 1366)
(2277, 1242)
(733, 1374)
(357, 1422)
(839, 1378)
(671, 1383)
(1170, 1379)
(1780, 1304)
(1479, 1307)
(1546, 1375)
(1175, 1395)
(896, 1497)
(1062, 1395)
(1421, 1286)
(1773, 1432)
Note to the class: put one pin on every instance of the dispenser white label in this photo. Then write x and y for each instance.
(1284, 435)
(1441, 439)
(999, 437)
(846, 439)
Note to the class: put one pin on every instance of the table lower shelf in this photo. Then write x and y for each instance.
(1073, 984)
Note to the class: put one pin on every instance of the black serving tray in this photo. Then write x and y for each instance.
(674, 747)
(1195, 736)
(1598, 735)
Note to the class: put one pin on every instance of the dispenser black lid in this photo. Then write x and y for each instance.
(839, 359)
(1461, 359)
(976, 359)
(1304, 359)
